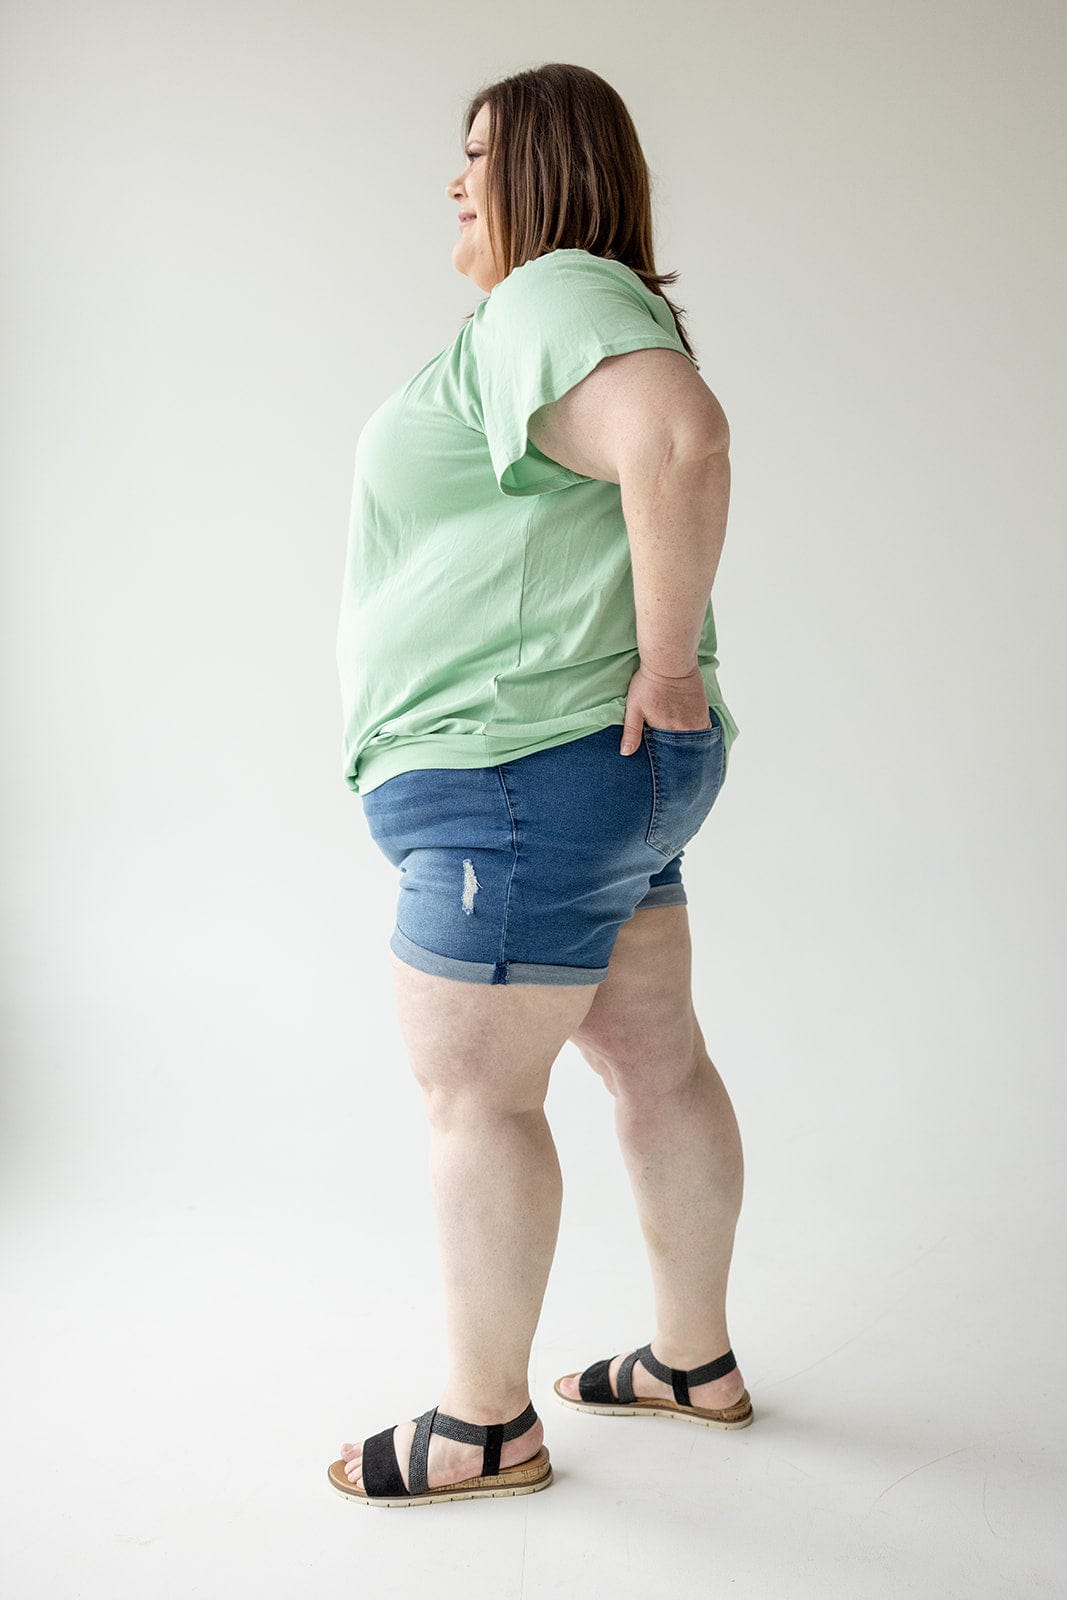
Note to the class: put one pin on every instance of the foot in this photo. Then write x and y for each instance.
(714, 1396)
(450, 1461)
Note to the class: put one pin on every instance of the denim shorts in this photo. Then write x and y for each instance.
(524, 872)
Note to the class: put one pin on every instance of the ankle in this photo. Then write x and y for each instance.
(482, 1407)
(684, 1357)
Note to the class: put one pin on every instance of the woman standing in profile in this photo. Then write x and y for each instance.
(533, 722)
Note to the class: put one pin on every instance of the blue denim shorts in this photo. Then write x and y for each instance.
(524, 872)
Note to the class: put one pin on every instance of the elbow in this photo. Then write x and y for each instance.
(698, 443)
(703, 431)
(692, 448)
(679, 449)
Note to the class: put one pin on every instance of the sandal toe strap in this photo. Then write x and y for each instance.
(380, 1469)
(594, 1384)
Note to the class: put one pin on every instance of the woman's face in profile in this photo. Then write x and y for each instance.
(470, 253)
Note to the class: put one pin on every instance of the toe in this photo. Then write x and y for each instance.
(569, 1386)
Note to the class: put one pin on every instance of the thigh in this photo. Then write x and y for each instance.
(492, 1043)
(642, 1022)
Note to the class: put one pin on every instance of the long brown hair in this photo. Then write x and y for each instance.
(566, 171)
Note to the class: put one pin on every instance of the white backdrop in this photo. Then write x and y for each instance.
(227, 239)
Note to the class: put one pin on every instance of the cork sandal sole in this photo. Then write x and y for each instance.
(739, 1415)
(526, 1477)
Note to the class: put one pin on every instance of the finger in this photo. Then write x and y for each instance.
(632, 729)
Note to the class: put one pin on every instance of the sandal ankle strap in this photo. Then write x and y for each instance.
(490, 1435)
(480, 1432)
(680, 1380)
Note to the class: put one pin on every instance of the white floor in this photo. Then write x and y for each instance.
(178, 1373)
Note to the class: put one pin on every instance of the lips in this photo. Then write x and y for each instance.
(466, 216)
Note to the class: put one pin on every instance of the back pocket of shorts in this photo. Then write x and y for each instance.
(687, 774)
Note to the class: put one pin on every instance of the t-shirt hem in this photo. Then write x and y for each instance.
(462, 750)
(470, 750)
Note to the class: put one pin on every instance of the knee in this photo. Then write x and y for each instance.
(645, 1071)
(469, 1089)
(602, 1062)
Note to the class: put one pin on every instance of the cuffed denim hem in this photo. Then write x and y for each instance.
(664, 894)
(490, 971)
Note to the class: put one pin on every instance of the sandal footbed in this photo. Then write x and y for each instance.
(535, 1472)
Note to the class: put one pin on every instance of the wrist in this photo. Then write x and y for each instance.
(660, 676)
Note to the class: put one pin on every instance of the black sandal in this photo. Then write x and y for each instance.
(384, 1486)
(594, 1386)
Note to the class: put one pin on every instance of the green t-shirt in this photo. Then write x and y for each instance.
(488, 605)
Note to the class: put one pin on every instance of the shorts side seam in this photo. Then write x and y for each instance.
(502, 958)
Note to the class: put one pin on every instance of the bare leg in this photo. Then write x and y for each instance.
(679, 1139)
(482, 1054)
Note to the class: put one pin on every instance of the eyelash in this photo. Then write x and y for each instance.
(470, 154)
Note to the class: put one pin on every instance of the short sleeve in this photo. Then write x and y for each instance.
(545, 327)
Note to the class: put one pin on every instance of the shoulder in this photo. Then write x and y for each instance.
(561, 272)
(562, 295)
(568, 301)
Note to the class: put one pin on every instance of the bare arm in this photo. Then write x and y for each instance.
(676, 521)
(630, 408)
(648, 422)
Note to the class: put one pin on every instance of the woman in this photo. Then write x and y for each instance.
(534, 725)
